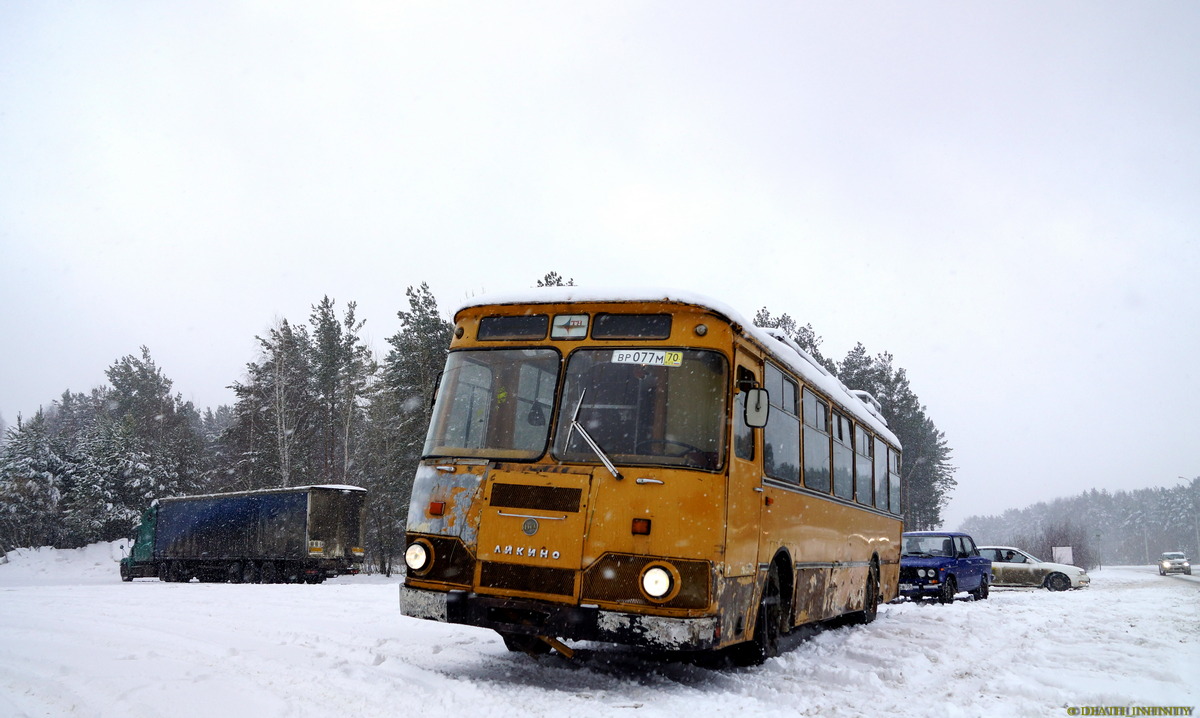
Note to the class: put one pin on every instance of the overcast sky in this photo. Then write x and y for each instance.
(1005, 196)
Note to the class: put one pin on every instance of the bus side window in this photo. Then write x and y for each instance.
(864, 477)
(781, 437)
(816, 442)
(881, 475)
(843, 457)
(894, 480)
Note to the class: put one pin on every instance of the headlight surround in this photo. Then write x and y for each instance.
(418, 557)
(660, 581)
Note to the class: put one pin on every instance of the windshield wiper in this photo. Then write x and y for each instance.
(576, 426)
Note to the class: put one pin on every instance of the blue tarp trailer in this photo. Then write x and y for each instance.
(302, 533)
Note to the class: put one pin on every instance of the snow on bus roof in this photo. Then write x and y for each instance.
(864, 407)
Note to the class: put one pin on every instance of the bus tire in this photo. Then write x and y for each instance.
(870, 597)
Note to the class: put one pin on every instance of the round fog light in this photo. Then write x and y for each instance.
(656, 582)
(416, 557)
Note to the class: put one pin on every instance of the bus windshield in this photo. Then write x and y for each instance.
(644, 406)
(494, 404)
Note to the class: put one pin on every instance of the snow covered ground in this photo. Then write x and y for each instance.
(74, 640)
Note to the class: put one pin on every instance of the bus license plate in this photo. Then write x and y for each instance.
(651, 357)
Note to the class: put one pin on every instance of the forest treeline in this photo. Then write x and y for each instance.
(1126, 527)
(316, 406)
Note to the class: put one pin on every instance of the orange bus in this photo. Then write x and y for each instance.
(646, 468)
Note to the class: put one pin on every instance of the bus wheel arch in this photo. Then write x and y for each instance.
(772, 616)
(787, 588)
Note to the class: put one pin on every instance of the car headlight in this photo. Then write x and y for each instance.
(416, 557)
(657, 582)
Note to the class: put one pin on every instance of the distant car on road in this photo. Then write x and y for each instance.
(1015, 567)
(1174, 562)
(939, 564)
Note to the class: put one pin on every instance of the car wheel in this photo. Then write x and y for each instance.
(1057, 582)
(981, 593)
(949, 588)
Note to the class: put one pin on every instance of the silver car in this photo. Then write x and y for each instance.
(1174, 562)
(1014, 567)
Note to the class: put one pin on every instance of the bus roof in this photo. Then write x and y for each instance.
(772, 340)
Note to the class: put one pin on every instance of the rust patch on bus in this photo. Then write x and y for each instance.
(810, 594)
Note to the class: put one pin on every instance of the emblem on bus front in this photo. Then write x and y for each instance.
(530, 527)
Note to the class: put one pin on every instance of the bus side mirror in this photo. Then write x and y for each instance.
(758, 406)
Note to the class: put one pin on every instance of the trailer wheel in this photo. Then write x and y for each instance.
(178, 572)
(249, 572)
(233, 572)
(270, 574)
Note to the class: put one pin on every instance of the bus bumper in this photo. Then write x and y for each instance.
(579, 623)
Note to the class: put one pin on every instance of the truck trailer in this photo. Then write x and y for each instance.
(296, 534)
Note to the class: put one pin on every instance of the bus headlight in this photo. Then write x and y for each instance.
(657, 581)
(417, 557)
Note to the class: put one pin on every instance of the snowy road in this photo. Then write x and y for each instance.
(74, 640)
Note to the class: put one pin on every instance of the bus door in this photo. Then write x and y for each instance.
(745, 496)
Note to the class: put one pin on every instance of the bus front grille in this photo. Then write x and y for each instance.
(545, 498)
(534, 579)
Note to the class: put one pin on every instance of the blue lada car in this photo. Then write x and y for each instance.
(940, 564)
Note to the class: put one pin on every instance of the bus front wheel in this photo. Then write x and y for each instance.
(767, 628)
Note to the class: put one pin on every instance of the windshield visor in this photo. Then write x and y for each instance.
(494, 404)
(644, 406)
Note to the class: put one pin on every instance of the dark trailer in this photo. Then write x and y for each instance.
(302, 533)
